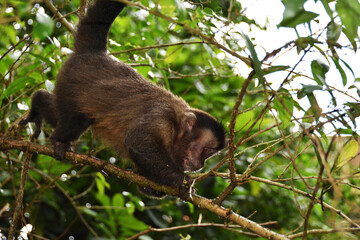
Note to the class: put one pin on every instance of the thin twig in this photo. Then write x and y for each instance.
(155, 46)
(60, 17)
(322, 231)
(19, 200)
(196, 32)
(295, 190)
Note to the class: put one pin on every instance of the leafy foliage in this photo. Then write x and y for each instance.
(296, 159)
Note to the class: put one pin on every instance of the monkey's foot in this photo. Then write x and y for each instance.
(38, 123)
(29, 118)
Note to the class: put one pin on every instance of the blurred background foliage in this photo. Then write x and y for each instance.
(63, 201)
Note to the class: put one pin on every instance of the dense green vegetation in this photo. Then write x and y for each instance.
(292, 163)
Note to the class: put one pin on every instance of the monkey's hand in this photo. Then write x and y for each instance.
(187, 188)
(60, 149)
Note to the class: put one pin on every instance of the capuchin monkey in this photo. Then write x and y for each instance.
(158, 131)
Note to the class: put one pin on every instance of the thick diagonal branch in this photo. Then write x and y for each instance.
(76, 158)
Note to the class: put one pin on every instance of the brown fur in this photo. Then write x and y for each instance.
(117, 97)
(160, 132)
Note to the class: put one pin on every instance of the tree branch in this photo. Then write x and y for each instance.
(208, 39)
(295, 190)
(19, 198)
(103, 166)
(60, 17)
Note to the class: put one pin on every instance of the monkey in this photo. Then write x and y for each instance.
(163, 136)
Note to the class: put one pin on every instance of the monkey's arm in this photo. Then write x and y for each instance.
(152, 159)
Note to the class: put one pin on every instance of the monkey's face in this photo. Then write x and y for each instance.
(200, 146)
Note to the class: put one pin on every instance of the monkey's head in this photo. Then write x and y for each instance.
(199, 137)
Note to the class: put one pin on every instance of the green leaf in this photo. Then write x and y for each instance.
(349, 13)
(255, 188)
(341, 70)
(16, 86)
(89, 212)
(42, 58)
(307, 89)
(346, 131)
(302, 17)
(321, 51)
(351, 39)
(324, 137)
(348, 67)
(11, 35)
(206, 10)
(191, 207)
(130, 222)
(165, 78)
(143, 70)
(316, 150)
(104, 228)
(243, 121)
(130, 207)
(138, 203)
(103, 199)
(295, 14)
(168, 7)
(333, 32)
(4, 65)
(327, 8)
(255, 60)
(118, 200)
(21, 6)
(315, 109)
(304, 42)
(353, 111)
(101, 183)
(349, 151)
(37, 76)
(319, 69)
(43, 27)
(172, 54)
(284, 105)
(273, 69)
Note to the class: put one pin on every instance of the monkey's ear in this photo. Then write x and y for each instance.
(188, 121)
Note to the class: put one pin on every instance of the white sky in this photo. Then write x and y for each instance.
(269, 13)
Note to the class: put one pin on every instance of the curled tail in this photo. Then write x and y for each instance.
(93, 29)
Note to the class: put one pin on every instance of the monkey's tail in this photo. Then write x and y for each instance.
(93, 29)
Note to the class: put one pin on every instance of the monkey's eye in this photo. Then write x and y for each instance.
(208, 151)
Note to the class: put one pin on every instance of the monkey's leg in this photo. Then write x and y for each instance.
(69, 127)
(35, 117)
(42, 107)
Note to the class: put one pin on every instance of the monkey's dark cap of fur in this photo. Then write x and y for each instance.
(205, 120)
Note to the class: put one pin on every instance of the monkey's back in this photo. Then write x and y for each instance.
(115, 96)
